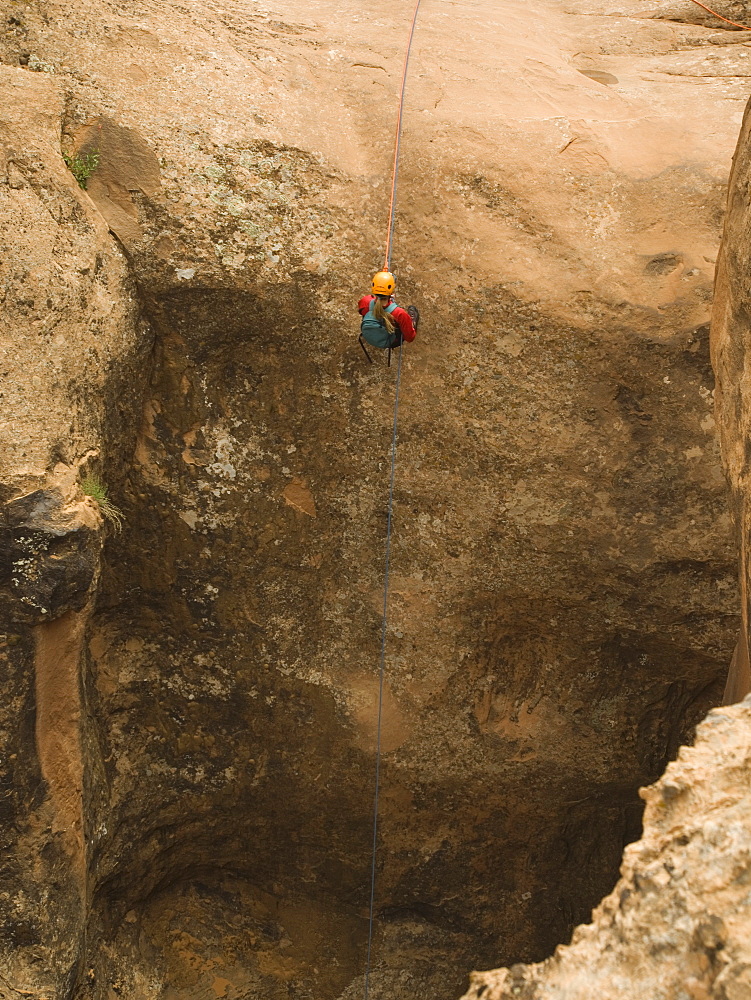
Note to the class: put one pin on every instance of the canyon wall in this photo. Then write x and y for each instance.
(678, 922)
(730, 346)
(188, 725)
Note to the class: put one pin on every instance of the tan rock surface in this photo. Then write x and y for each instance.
(678, 923)
(730, 349)
(563, 597)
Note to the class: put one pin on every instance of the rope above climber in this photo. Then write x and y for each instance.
(384, 324)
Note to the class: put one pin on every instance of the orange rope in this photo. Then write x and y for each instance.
(725, 19)
(395, 166)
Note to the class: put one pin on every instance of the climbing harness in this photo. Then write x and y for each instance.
(384, 623)
(370, 360)
(362, 344)
(715, 14)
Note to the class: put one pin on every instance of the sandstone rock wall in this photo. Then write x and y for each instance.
(72, 347)
(563, 602)
(677, 922)
(730, 342)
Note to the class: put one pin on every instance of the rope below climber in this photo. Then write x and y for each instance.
(382, 287)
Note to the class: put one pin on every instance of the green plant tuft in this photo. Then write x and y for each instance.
(82, 165)
(96, 489)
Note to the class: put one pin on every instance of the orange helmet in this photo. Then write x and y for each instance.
(383, 283)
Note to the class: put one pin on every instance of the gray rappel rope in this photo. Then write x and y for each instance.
(384, 624)
(381, 678)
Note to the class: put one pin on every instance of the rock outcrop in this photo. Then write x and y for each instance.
(730, 350)
(189, 711)
(678, 923)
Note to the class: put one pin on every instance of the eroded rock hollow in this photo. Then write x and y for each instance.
(190, 703)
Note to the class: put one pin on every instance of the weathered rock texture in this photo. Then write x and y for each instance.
(678, 923)
(189, 713)
(731, 343)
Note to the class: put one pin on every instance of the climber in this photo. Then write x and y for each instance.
(384, 323)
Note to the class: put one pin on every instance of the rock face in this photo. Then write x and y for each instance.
(189, 712)
(678, 923)
(730, 348)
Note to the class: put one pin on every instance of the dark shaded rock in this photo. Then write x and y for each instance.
(48, 557)
(599, 76)
(663, 263)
